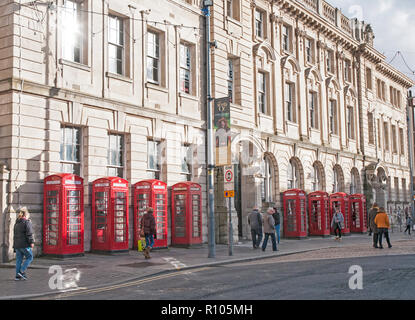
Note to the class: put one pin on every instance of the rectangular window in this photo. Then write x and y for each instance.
(185, 69)
(73, 30)
(333, 117)
(116, 41)
(309, 50)
(153, 57)
(379, 133)
(70, 150)
(394, 141)
(286, 38)
(290, 101)
(369, 83)
(386, 135)
(370, 122)
(350, 123)
(115, 155)
(396, 183)
(348, 71)
(379, 88)
(232, 9)
(262, 92)
(186, 161)
(313, 109)
(330, 61)
(153, 159)
(231, 80)
(402, 141)
(259, 24)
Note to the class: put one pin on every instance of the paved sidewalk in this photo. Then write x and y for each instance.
(102, 270)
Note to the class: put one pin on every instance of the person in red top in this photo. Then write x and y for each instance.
(148, 227)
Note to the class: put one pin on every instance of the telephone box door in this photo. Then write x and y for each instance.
(318, 214)
(295, 220)
(358, 214)
(64, 215)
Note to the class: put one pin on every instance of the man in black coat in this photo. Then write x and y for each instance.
(23, 243)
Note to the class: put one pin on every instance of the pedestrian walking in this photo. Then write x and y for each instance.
(269, 230)
(148, 228)
(337, 223)
(408, 224)
(23, 244)
(277, 219)
(372, 215)
(255, 222)
(383, 225)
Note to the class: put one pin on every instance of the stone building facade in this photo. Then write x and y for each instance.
(104, 88)
(314, 106)
(98, 88)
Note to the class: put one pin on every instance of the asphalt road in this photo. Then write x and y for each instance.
(383, 277)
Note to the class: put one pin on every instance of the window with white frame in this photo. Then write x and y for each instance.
(336, 181)
(262, 92)
(394, 140)
(259, 23)
(116, 149)
(309, 50)
(371, 128)
(317, 184)
(330, 61)
(347, 71)
(231, 80)
(233, 9)
(186, 161)
(369, 80)
(70, 150)
(267, 183)
(116, 45)
(313, 109)
(333, 117)
(402, 141)
(153, 57)
(73, 30)
(186, 68)
(290, 101)
(286, 38)
(386, 135)
(293, 175)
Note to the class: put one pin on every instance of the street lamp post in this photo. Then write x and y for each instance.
(210, 161)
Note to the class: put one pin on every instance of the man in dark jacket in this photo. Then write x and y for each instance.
(277, 219)
(148, 227)
(255, 221)
(23, 243)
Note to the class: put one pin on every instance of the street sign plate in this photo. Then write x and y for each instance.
(229, 194)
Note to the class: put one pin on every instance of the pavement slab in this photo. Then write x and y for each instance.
(98, 270)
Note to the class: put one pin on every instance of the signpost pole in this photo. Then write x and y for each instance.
(230, 229)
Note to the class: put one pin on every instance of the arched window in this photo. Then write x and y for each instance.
(293, 175)
(317, 183)
(336, 182)
(268, 176)
(354, 182)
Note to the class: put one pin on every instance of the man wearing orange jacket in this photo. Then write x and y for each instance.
(383, 225)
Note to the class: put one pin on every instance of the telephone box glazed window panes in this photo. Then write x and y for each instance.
(120, 214)
(180, 223)
(53, 218)
(292, 217)
(196, 216)
(101, 207)
(73, 217)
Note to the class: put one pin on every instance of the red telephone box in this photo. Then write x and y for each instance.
(318, 210)
(340, 200)
(186, 214)
(110, 215)
(295, 218)
(151, 193)
(358, 213)
(63, 218)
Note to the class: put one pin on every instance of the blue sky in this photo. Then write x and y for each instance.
(393, 22)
